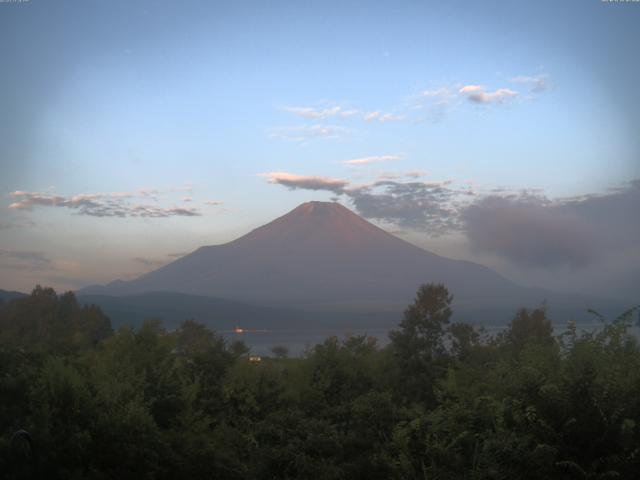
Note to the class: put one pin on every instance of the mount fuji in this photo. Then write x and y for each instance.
(323, 256)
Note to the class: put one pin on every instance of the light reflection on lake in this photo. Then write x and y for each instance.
(297, 341)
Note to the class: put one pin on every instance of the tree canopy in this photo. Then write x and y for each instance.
(442, 400)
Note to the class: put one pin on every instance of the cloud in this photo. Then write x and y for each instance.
(149, 262)
(391, 117)
(293, 182)
(305, 133)
(149, 192)
(24, 260)
(535, 83)
(527, 232)
(213, 202)
(122, 195)
(432, 105)
(98, 205)
(532, 230)
(420, 206)
(382, 117)
(478, 94)
(371, 116)
(440, 96)
(187, 199)
(526, 227)
(373, 159)
(320, 114)
(396, 175)
(17, 223)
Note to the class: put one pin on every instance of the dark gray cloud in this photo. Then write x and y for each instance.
(524, 227)
(532, 230)
(303, 182)
(431, 207)
(528, 232)
(424, 206)
(98, 205)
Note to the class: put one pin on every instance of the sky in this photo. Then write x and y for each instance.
(501, 132)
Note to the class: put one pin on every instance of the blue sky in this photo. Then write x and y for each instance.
(136, 131)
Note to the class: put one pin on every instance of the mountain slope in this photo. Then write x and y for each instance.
(6, 295)
(319, 253)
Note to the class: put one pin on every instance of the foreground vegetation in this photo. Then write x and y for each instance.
(441, 401)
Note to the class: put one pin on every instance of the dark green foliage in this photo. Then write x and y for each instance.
(418, 346)
(54, 323)
(441, 401)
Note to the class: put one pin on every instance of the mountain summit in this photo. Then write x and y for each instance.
(319, 253)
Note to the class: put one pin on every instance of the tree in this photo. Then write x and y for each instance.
(418, 345)
(530, 327)
(463, 338)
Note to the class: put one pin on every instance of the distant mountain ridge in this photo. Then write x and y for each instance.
(321, 257)
(6, 295)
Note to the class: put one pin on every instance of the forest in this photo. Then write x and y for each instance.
(442, 400)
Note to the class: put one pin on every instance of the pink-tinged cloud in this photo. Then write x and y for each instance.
(479, 94)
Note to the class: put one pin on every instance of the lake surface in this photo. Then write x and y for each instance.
(298, 341)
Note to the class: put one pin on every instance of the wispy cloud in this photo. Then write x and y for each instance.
(440, 96)
(213, 202)
(293, 181)
(428, 104)
(414, 174)
(372, 159)
(17, 223)
(479, 94)
(98, 205)
(433, 104)
(535, 83)
(313, 113)
(304, 133)
(24, 260)
(149, 192)
(383, 117)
